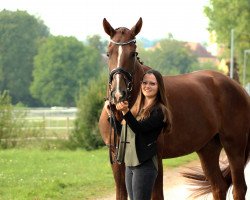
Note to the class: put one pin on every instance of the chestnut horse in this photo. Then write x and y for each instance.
(210, 112)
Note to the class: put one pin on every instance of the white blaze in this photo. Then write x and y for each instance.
(118, 77)
(119, 56)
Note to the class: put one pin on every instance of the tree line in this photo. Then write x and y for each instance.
(39, 69)
(225, 16)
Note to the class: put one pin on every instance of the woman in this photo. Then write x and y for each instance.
(148, 117)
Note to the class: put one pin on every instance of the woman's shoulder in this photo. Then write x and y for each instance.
(157, 109)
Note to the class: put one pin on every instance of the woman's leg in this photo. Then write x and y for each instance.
(143, 180)
(128, 181)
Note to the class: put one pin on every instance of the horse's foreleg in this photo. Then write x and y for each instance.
(158, 187)
(119, 175)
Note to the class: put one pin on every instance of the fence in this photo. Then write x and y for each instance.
(55, 122)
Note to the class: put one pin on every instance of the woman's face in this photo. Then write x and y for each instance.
(149, 86)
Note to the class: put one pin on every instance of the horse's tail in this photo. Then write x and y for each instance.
(201, 185)
(195, 177)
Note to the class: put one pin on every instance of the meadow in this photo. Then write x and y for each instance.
(34, 174)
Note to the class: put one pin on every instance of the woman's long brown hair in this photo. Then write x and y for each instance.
(161, 101)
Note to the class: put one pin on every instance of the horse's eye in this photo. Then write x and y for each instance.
(107, 54)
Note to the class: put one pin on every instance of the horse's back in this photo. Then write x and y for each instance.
(203, 104)
(213, 85)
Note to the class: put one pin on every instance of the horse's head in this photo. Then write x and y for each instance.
(122, 59)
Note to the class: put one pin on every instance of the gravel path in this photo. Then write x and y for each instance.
(176, 188)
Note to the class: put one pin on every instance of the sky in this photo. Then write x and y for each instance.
(185, 19)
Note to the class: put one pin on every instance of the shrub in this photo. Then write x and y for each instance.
(11, 122)
(91, 99)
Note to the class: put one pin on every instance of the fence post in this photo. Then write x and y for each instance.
(67, 126)
(44, 126)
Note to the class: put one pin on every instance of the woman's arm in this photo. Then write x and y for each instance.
(153, 122)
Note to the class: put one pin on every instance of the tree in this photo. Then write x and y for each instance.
(91, 99)
(62, 64)
(227, 15)
(20, 35)
(95, 42)
(169, 57)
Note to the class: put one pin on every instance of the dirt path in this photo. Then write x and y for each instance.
(175, 187)
(174, 184)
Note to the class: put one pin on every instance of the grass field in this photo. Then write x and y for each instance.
(32, 174)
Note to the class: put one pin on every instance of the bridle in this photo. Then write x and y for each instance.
(128, 77)
(123, 43)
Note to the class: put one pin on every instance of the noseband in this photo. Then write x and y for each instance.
(126, 75)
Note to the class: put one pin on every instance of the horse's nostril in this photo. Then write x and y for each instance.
(123, 95)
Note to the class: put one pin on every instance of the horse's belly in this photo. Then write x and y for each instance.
(187, 139)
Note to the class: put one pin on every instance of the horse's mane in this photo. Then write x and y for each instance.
(138, 58)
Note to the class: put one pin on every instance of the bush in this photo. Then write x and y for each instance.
(11, 122)
(91, 99)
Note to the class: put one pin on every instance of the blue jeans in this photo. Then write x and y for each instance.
(140, 180)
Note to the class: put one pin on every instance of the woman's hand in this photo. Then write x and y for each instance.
(107, 107)
(122, 106)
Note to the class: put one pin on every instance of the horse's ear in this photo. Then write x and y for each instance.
(136, 29)
(108, 28)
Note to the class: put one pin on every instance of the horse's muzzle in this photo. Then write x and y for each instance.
(118, 96)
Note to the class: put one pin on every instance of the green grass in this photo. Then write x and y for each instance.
(176, 162)
(32, 174)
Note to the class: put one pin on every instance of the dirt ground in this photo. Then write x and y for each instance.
(175, 187)
(174, 184)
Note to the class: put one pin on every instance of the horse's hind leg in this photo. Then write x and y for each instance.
(209, 157)
(235, 147)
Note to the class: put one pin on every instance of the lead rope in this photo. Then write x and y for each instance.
(123, 143)
(125, 140)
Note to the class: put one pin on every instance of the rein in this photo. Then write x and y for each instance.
(115, 145)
